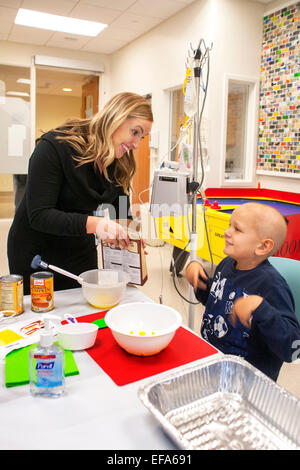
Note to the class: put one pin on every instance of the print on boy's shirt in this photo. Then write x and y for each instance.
(216, 327)
(217, 287)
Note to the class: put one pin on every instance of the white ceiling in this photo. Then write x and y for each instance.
(126, 19)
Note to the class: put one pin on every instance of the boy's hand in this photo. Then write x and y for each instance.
(194, 272)
(243, 309)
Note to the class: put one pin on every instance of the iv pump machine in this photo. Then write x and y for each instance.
(171, 189)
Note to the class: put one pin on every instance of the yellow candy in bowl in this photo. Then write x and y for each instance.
(143, 328)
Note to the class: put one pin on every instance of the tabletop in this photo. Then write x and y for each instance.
(94, 413)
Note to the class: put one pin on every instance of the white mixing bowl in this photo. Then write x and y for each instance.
(143, 328)
(77, 336)
(104, 288)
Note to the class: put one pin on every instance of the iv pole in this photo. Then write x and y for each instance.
(193, 235)
(194, 186)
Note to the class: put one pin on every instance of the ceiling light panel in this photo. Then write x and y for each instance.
(17, 93)
(37, 19)
(26, 81)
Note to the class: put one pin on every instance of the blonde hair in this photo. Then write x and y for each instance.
(92, 138)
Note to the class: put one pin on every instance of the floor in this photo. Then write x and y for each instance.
(160, 287)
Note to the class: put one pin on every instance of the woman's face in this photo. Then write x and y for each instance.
(129, 135)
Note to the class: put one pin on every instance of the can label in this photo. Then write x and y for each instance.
(41, 288)
(12, 293)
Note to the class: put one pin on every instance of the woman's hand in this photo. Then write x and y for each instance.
(112, 233)
(108, 230)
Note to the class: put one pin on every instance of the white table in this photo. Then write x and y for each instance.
(94, 413)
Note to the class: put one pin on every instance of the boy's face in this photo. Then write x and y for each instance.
(241, 238)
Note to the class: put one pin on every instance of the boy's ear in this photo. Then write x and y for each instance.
(265, 247)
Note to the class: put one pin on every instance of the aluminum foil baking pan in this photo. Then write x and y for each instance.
(224, 404)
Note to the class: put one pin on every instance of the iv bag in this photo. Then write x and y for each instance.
(190, 100)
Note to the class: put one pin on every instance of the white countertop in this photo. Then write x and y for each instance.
(94, 413)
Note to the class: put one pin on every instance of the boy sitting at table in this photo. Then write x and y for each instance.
(250, 309)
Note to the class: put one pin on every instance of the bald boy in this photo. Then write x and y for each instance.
(265, 222)
(249, 307)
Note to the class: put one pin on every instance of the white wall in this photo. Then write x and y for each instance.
(155, 62)
(277, 5)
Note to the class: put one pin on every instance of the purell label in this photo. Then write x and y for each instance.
(44, 365)
(44, 356)
(47, 371)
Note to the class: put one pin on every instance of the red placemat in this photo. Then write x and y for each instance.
(124, 368)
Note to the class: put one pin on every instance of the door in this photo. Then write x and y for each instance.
(141, 179)
(90, 98)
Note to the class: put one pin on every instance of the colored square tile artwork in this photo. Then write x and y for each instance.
(279, 123)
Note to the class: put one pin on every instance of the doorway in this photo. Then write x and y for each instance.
(61, 95)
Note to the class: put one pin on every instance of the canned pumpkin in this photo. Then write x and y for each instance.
(41, 289)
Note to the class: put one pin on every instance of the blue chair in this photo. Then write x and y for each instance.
(290, 271)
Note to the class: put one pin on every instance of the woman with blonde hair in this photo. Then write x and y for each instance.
(74, 169)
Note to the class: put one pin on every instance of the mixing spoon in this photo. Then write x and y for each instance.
(38, 263)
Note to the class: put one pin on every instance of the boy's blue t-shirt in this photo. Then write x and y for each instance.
(274, 331)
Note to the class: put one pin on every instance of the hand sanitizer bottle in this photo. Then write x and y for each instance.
(46, 365)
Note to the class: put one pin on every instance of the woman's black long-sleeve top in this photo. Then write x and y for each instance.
(51, 219)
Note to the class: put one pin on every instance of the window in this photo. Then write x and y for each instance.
(236, 130)
(15, 118)
(240, 130)
(177, 120)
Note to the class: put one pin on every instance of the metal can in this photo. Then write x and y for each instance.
(41, 289)
(12, 293)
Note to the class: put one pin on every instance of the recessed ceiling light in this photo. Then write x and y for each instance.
(24, 80)
(37, 19)
(17, 93)
(67, 89)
